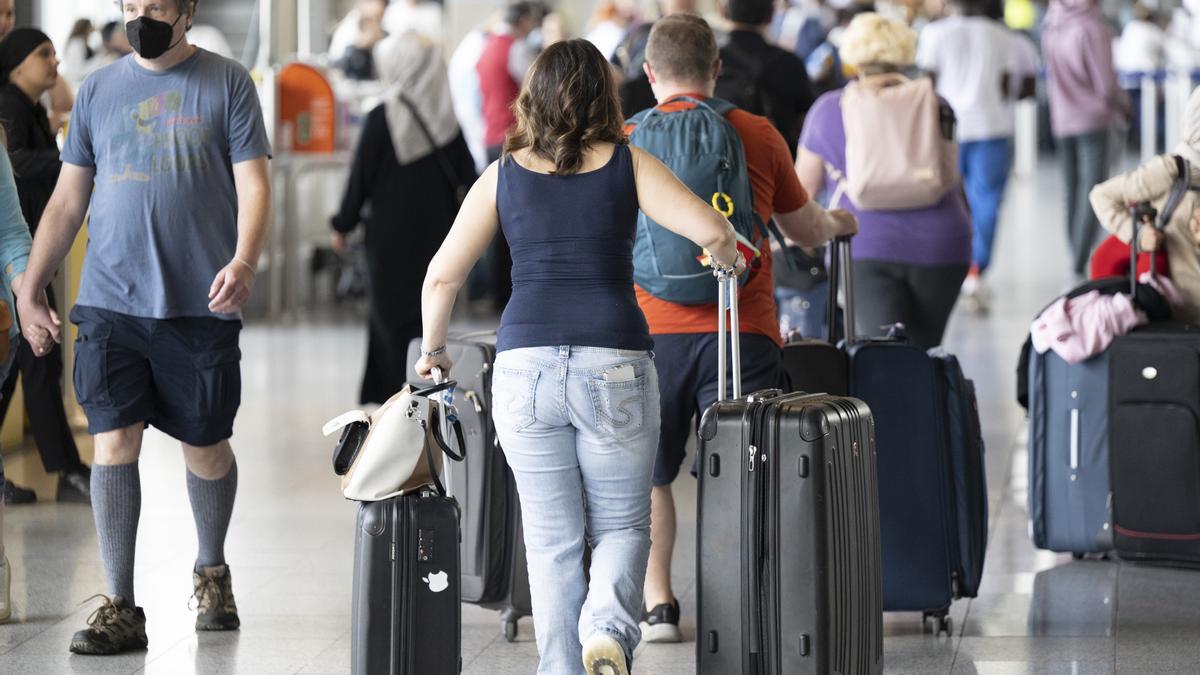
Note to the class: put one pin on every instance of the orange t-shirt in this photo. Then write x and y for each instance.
(777, 189)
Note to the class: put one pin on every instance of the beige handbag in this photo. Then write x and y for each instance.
(398, 448)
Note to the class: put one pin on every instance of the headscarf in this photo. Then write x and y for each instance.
(411, 66)
(1189, 145)
(16, 47)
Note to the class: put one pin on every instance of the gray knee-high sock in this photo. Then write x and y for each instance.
(117, 505)
(212, 507)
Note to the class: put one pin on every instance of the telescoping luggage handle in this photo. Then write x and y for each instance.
(728, 334)
(1140, 215)
(840, 277)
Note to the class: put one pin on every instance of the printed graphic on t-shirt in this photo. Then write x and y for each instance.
(156, 139)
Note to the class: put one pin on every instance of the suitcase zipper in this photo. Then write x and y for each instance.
(752, 452)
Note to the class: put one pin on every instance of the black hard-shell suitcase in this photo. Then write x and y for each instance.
(788, 561)
(1154, 444)
(407, 618)
(494, 571)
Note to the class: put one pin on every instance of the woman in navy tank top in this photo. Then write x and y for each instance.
(575, 391)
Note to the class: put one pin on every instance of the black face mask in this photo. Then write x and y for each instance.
(149, 38)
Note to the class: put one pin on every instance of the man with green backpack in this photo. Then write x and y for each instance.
(740, 163)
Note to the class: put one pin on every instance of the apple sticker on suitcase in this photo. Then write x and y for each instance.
(438, 581)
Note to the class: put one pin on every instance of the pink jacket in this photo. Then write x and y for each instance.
(1079, 328)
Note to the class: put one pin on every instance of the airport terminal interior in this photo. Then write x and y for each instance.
(291, 541)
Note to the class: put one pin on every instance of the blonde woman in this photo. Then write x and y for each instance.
(908, 265)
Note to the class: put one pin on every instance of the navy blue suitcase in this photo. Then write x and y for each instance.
(1068, 454)
(932, 487)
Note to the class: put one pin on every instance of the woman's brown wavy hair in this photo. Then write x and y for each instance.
(569, 102)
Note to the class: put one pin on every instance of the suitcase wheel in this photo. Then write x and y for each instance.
(509, 628)
(938, 623)
(1077, 556)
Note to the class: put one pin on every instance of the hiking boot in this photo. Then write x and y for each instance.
(5, 591)
(216, 609)
(661, 624)
(15, 494)
(602, 655)
(75, 486)
(115, 627)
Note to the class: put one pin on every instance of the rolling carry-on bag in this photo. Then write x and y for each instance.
(788, 543)
(494, 571)
(933, 503)
(1154, 444)
(1154, 436)
(1068, 439)
(406, 617)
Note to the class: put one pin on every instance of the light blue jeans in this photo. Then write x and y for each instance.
(579, 426)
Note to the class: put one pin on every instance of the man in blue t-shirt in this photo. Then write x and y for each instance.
(169, 147)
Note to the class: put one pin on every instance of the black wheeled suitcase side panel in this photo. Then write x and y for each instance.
(721, 620)
(1154, 445)
(434, 606)
(406, 616)
(826, 565)
(374, 594)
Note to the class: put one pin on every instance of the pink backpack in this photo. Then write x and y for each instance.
(897, 155)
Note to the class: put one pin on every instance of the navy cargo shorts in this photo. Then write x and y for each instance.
(183, 375)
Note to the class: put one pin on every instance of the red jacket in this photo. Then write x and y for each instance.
(1111, 259)
(498, 87)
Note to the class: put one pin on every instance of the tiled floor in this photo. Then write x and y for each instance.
(291, 539)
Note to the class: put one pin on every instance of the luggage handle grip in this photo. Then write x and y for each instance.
(1135, 249)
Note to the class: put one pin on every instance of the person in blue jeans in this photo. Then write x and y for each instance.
(575, 389)
(979, 68)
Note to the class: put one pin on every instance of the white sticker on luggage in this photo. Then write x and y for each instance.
(438, 581)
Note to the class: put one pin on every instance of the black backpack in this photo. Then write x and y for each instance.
(743, 83)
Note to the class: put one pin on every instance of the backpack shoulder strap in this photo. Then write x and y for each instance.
(720, 106)
(1179, 190)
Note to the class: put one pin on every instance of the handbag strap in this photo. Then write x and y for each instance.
(441, 443)
(447, 167)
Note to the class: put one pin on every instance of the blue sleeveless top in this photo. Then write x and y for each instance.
(572, 250)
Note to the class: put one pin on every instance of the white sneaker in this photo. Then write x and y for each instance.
(602, 655)
(974, 295)
(5, 591)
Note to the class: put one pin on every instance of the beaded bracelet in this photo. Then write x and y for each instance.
(436, 352)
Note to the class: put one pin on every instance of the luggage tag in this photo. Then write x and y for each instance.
(623, 373)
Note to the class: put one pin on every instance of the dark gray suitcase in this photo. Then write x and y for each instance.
(494, 571)
(407, 618)
(788, 560)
